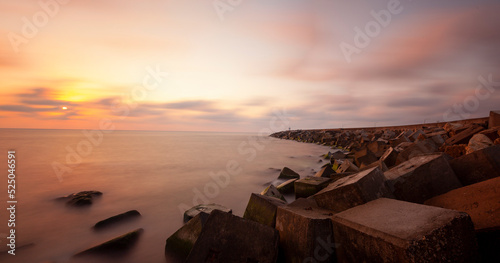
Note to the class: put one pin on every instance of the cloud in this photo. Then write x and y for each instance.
(23, 108)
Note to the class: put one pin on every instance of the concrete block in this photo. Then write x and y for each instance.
(345, 166)
(464, 136)
(418, 148)
(310, 185)
(228, 238)
(456, 150)
(262, 209)
(287, 173)
(353, 190)
(180, 243)
(206, 208)
(380, 164)
(478, 142)
(305, 231)
(481, 201)
(325, 172)
(478, 166)
(422, 178)
(494, 120)
(389, 157)
(387, 230)
(364, 156)
(287, 187)
(115, 247)
(378, 148)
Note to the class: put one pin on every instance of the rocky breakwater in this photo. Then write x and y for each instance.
(427, 194)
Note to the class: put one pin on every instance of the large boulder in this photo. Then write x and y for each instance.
(418, 148)
(180, 243)
(272, 191)
(478, 142)
(205, 208)
(478, 166)
(287, 173)
(287, 187)
(123, 217)
(305, 232)
(308, 186)
(421, 178)
(81, 199)
(115, 246)
(353, 190)
(228, 238)
(463, 137)
(262, 209)
(387, 230)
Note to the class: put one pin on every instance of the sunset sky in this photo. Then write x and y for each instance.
(68, 64)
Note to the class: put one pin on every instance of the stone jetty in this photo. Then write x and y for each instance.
(417, 193)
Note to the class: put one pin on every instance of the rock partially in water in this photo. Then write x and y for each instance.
(179, 244)
(84, 198)
(288, 173)
(114, 246)
(206, 208)
(123, 217)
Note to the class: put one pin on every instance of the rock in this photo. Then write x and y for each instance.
(305, 231)
(364, 156)
(228, 238)
(478, 142)
(492, 133)
(272, 191)
(380, 164)
(308, 186)
(389, 157)
(387, 230)
(353, 190)
(288, 173)
(422, 178)
(206, 208)
(418, 148)
(123, 217)
(180, 243)
(378, 148)
(325, 172)
(403, 146)
(345, 166)
(494, 120)
(464, 136)
(114, 246)
(84, 198)
(480, 201)
(452, 127)
(456, 150)
(415, 135)
(262, 209)
(287, 187)
(497, 142)
(478, 166)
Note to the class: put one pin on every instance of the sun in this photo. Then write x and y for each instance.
(64, 108)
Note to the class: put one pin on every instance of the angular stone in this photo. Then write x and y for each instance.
(305, 231)
(478, 166)
(310, 185)
(378, 148)
(478, 142)
(114, 246)
(464, 136)
(494, 120)
(287, 187)
(179, 244)
(353, 190)
(422, 178)
(206, 208)
(418, 148)
(262, 209)
(492, 133)
(123, 217)
(414, 136)
(345, 166)
(325, 172)
(480, 201)
(287, 173)
(364, 156)
(228, 238)
(389, 157)
(387, 230)
(272, 191)
(381, 165)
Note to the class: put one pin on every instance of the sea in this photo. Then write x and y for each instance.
(158, 173)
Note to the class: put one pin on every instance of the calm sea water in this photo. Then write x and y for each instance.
(156, 173)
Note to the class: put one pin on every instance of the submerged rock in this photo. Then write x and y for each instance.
(288, 173)
(84, 198)
(206, 208)
(116, 245)
(127, 216)
(180, 243)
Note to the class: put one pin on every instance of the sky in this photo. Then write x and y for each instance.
(221, 65)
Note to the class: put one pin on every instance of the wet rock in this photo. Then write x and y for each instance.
(179, 244)
(84, 198)
(478, 142)
(206, 208)
(353, 190)
(286, 187)
(422, 178)
(272, 191)
(308, 186)
(387, 230)
(287, 173)
(262, 209)
(228, 238)
(114, 246)
(478, 166)
(305, 231)
(123, 217)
